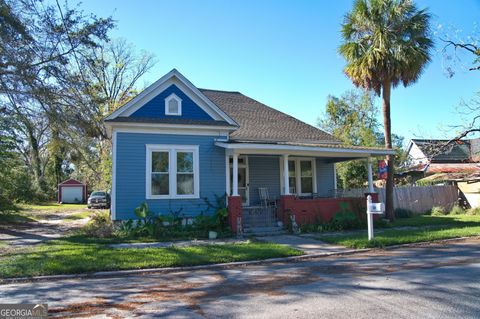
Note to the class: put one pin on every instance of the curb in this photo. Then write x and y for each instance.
(120, 273)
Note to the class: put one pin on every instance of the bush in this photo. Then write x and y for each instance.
(473, 211)
(100, 225)
(438, 211)
(403, 213)
(174, 225)
(457, 210)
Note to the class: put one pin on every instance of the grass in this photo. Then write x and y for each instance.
(52, 206)
(429, 228)
(79, 255)
(28, 213)
(427, 220)
(15, 217)
(79, 215)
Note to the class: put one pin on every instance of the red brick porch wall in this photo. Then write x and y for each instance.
(311, 211)
(234, 211)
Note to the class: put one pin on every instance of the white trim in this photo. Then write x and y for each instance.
(246, 166)
(370, 176)
(172, 170)
(335, 176)
(235, 175)
(279, 149)
(298, 177)
(227, 173)
(173, 96)
(192, 130)
(113, 195)
(153, 90)
(286, 181)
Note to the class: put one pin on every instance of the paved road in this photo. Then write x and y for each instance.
(431, 281)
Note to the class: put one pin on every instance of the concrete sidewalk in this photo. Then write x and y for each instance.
(309, 245)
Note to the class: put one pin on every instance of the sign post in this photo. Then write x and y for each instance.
(372, 208)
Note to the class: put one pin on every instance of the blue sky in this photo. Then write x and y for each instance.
(284, 54)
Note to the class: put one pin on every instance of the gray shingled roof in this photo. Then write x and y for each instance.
(434, 149)
(259, 122)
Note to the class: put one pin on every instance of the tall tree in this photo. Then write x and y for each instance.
(352, 118)
(385, 43)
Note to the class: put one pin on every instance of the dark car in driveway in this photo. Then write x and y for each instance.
(98, 199)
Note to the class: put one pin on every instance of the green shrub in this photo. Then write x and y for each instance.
(403, 213)
(457, 210)
(473, 211)
(438, 211)
(100, 225)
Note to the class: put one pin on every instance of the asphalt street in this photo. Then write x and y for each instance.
(427, 281)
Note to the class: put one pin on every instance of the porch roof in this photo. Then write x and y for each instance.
(337, 151)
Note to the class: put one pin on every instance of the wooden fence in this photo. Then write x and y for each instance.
(418, 199)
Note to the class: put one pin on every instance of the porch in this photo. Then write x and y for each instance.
(268, 183)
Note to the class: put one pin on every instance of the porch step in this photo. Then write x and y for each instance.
(264, 231)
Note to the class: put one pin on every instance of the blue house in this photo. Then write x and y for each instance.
(175, 145)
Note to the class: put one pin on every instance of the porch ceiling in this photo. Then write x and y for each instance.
(335, 151)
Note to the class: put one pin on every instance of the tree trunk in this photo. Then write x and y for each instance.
(35, 161)
(386, 88)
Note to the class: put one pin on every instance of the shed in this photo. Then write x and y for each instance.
(72, 191)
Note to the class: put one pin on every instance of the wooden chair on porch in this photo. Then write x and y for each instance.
(265, 198)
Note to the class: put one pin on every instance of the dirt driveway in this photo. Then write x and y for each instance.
(42, 224)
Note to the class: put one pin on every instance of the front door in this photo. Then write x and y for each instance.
(243, 189)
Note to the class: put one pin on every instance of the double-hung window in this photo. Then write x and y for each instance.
(301, 176)
(172, 171)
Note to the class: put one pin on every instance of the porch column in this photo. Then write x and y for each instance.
(235, 175)
(370, 177)
(227, 174)
(286, 191)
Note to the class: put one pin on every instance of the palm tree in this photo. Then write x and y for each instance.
(385, 43)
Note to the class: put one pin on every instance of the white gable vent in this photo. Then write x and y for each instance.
(173, 105)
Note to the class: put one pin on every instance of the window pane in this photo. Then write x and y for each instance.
(185, 162)
(306, 168)
(173, 106)
(160, 162)
(307, 185)
(291, 168)
(292, 182)
(159, 184)
(184, 184)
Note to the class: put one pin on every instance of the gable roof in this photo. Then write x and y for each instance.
(261, 123)
(433, 149)
(153, 90)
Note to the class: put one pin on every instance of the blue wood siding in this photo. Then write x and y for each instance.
(325, 177)
(131, 166)
(264, 171)
(156, 107)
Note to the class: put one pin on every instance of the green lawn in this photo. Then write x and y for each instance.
(427, 220)
(79, 255)
(430, 228)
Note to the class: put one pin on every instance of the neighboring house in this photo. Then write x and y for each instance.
(175, 145)
(431, 161)
(426, 157)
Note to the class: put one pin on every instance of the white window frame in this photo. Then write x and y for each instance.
(173, 96)
(298, 181)
(172, 170)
